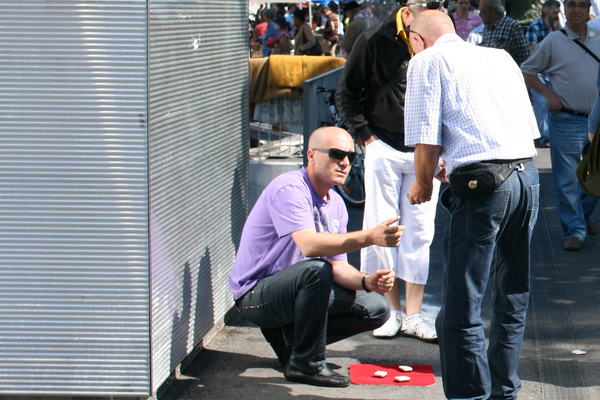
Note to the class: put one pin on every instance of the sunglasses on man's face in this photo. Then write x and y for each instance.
(338, 155)
(430, 5)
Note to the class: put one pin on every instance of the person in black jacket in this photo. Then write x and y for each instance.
(372, 102)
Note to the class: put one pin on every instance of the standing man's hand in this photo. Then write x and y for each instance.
(554, 103)
(427, 159)
(386, 234)
(420, 192)
(441, 176)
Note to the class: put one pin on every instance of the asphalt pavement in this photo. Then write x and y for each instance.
(237, 363)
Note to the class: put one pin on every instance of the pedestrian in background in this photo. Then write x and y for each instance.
(570, 96)
(270, 32)
(464, 20)
(359, 22)
(305, 41)
(502, 32)
(536, 32)
(331, 30)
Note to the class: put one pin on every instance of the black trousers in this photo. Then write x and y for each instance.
(313, 310)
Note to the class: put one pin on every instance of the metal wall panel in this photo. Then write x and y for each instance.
(74, 260)
(198, 167)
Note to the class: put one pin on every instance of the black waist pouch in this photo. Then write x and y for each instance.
(482, 178)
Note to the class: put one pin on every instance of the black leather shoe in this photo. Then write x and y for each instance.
(279, 343)
(324, 378)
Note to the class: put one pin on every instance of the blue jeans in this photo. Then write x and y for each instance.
(568, 139)
(313, 310)
(488, 239)
(540, 108)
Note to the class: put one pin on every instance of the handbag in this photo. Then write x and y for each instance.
(588, 170)
(271, 41)
(316, 50)
(482, 178)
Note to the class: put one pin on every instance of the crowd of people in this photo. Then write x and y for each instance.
(330, 23)
(430, 107)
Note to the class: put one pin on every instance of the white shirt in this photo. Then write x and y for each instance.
(476, 35)
(471, 100)
(594, 24)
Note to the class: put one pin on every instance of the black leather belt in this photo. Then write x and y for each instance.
(573, 112)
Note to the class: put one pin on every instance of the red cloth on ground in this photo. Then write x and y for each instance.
(362, 374)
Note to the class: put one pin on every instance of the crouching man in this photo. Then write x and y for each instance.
(291, 276)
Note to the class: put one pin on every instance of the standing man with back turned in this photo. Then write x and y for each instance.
(476, 122)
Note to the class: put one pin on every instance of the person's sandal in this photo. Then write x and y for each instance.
(416, 326)
(391, 326)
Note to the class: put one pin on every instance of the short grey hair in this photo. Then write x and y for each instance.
(414, 8)
(496, 5)
(549, 5)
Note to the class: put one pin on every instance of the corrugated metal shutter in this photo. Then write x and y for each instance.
(198, 165)
(74, 276)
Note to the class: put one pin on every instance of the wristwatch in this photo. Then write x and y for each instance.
(364, 283)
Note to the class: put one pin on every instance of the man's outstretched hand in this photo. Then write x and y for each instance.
(386, 234)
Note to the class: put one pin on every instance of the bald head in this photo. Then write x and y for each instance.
(431, 25)
(328, 137)
(325, 167)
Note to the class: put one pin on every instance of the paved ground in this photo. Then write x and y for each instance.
(237, 363)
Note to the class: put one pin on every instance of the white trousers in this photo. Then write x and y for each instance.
(389, 173)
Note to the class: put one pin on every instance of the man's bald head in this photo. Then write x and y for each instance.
(324, 168)
(431, 25)
(328, 137)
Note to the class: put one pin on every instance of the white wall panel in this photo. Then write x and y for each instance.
(74, 270)
(198, 167)
(123, 188)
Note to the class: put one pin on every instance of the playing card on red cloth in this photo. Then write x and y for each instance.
(362, 374)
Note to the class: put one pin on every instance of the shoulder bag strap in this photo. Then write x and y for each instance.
(583, 46)
(388, 87)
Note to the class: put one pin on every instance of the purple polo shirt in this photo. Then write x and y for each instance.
(288, 204)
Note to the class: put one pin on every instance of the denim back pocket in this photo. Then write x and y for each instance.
(535, 205)
(485, 214)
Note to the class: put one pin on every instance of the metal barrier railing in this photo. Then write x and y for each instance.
(278, 126)
(276, 129)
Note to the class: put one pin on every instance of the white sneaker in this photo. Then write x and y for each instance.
(391, 327)
(416, 326)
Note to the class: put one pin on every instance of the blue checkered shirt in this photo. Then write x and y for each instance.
(537, 31)
(508, 35)
(473, 117)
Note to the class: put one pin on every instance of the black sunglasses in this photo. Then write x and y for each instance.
(338, 155)
(430, 5)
